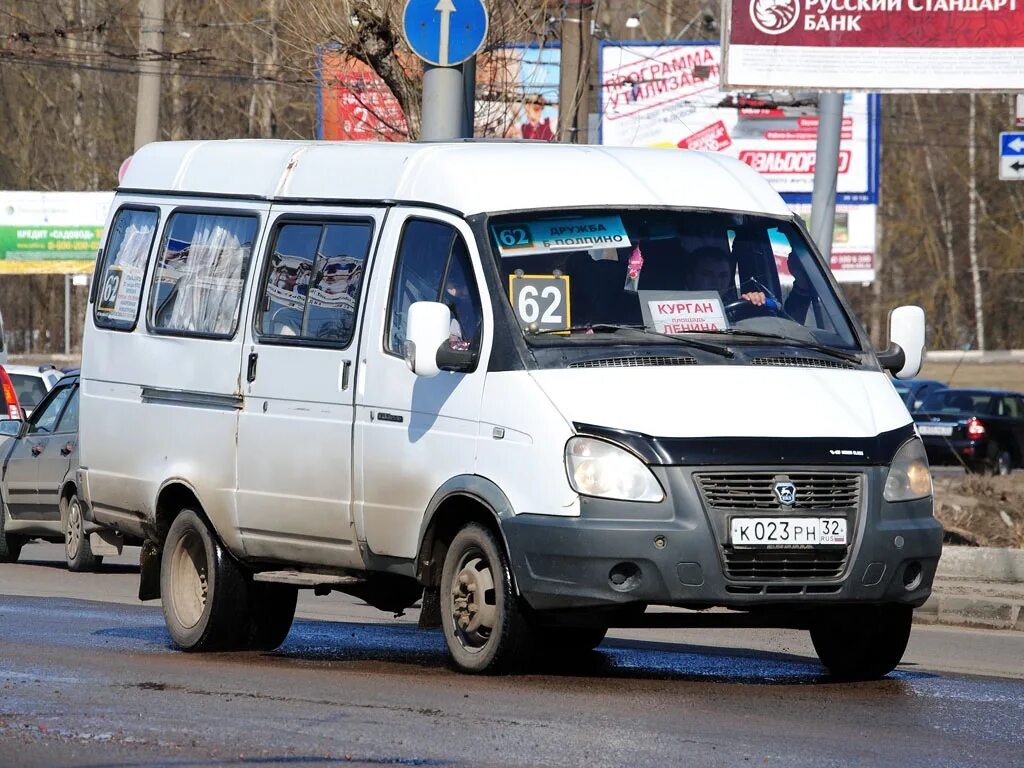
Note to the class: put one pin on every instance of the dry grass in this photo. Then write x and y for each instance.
(995, 375)
(982, 511)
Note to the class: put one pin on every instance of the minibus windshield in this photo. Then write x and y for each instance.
(742, 277)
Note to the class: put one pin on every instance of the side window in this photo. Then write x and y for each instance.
(45, 418)
(434, 265)
(313, 281)
(1009, 408)
(198, 282)
(122, 269)
(69, 419)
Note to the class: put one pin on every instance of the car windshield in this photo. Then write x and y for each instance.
(954, 401)
(683, 273)
(30, 389)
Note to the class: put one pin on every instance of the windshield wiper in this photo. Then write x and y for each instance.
(823, 348)
(707, 346)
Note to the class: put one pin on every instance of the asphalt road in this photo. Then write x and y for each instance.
(88, 678)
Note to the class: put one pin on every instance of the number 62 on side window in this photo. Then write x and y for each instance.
(541, 302)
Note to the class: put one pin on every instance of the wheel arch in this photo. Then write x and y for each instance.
(462, 499)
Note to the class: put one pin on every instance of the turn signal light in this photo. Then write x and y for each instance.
(975, 428)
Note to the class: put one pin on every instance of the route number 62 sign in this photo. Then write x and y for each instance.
(541, 302)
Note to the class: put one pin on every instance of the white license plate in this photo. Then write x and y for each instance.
(935, 429)
(798, 531)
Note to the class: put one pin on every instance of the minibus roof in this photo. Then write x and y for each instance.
(464, 176)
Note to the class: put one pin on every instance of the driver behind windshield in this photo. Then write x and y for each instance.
(711, 269)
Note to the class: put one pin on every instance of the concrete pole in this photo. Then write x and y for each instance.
(443, 98)
(151, 45)
(826, 171)
(574, 72)
(67, 315)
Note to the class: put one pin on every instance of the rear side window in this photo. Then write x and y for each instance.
(123, 269)
(30, 389)
(313, 282)
(69, 419)
(199, 277)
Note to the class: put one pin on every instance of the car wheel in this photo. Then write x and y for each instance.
(202, 588)
(484, 625)
(862, 642)
(10, 544)
(1003, 462)
(271, 612)
(77, 549)
(580, 638)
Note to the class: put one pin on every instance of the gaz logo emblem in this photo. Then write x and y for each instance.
(786, 494)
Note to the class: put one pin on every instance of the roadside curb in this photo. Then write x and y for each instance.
(979, 587)
(982, 563)
(979, 612)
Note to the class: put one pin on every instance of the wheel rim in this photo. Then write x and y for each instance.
(474, 608)
(73, 535)
(189, 579)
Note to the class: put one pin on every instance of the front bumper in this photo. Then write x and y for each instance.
(672, 553)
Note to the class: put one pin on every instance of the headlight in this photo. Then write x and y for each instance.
(909, 477)
(597, 468)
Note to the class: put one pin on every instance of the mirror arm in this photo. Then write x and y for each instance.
(892, 358)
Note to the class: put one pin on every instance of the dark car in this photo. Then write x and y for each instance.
(980, 429)
(915, 391)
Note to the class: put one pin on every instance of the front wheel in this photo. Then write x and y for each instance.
(862, 642)
(203, 589)
(77, 550)
(484, 626)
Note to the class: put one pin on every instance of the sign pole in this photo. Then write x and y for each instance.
(826, 171)
(443, 97)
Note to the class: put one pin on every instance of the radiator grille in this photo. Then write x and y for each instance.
(757, 490)
(785, 564)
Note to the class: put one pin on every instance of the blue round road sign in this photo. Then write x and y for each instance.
(444, 32)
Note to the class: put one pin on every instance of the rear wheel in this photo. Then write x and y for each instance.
(271, 611)
(77, 549)
(484, 626)
(10, 544)
(999, 460)
(862, 642)
(203, 589)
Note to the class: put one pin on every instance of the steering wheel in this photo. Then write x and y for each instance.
(744, 310)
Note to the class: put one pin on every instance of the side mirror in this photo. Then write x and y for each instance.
(905, 353)
(427, 327)
(11, 428)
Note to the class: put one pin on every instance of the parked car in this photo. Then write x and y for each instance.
(980, 429)
(32, 383)
(10, 407)
(39, 495)
(916, 391)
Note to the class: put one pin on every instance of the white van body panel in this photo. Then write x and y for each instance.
(527, 462)
(295, 431)
(728, 401)
(448, 175)
(134, 442)
(400, 465)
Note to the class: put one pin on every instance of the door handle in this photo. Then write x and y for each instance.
(346, 369)
(37, 449)
(67, 449)
(250, 374)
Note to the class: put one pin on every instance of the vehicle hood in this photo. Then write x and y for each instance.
(727, 400)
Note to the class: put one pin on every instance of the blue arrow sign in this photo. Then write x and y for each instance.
(444, 32)
(1011, 143)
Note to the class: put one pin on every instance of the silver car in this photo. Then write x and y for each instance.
(32, 383)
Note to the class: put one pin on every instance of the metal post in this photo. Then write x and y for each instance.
(67, 315)
(826, 171)
(151, 45)
(443, 97)
(469, 98)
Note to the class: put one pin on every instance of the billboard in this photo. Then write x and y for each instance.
(877, 45)
(516, 97)
(51, 232)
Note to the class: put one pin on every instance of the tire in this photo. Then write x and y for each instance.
(484, 625)
(999, 461)
(579, 639)
(203, 590)
(271, 611)
(77, 549)
(862, 642)
(10, 544)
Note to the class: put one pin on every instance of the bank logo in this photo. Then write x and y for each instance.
(786, 494)
(773, 17)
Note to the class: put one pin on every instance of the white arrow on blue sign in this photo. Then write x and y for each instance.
(444, 33)
(1011, 156)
